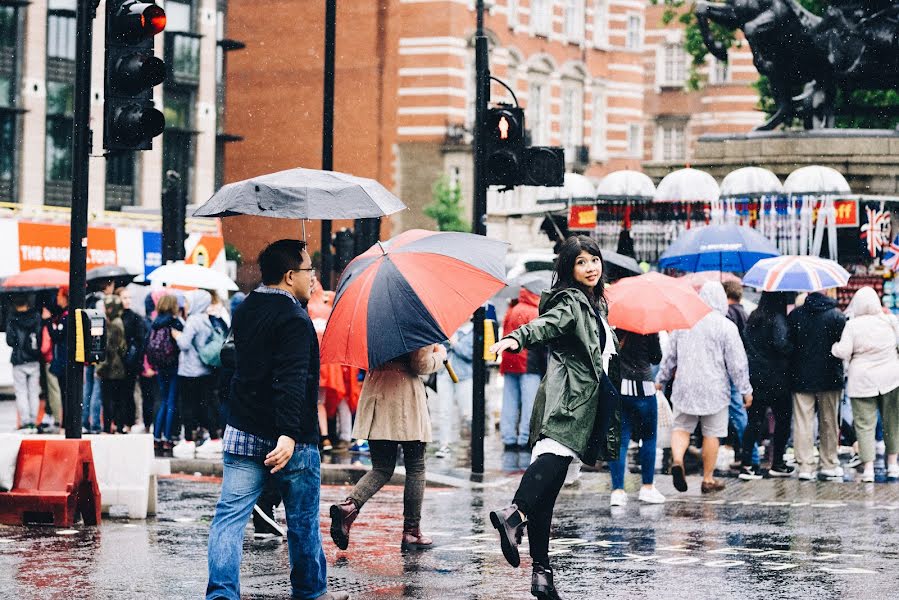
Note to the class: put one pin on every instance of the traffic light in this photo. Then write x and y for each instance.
(509, 162)
(130, 121)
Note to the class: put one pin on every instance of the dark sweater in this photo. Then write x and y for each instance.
(637, 354)
(274, 390)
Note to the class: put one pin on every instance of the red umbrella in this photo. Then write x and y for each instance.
(409, 292)
(36, 279)
(654, 302)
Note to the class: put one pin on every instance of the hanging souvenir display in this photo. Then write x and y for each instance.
(891, 255)
(876, 232)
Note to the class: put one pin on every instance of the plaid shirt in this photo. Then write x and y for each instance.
(242, 443)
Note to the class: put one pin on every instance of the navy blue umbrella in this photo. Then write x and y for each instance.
(728, 248)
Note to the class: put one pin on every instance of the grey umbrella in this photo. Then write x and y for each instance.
(120, 275)
(303, 194)
(621, 263)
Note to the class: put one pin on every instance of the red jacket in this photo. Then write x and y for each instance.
(520, 314)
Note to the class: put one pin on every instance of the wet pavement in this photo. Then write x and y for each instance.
(769, 538)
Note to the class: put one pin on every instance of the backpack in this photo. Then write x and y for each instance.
(162, 351)
(210, 350)
(27, 340)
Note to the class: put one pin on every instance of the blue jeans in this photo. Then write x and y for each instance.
(92, 400)
(243, 481)
(519, 391)
(168, 403)
(639, 416)
(740, 420)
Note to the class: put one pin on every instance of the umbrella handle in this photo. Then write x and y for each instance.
(452, 373)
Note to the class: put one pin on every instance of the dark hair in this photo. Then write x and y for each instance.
(770, 305)
(733, 289)
(280, 257)
(563, 276)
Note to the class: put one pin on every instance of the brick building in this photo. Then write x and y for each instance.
(603, 78)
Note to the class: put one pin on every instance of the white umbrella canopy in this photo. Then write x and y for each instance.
(687, 185)
(575, 186)
(751, 181)
(191, 276)
(816, 179)
(625, 184)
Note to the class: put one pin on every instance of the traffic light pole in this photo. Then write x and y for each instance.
(81, 149)
(479, 227)
(328, 131)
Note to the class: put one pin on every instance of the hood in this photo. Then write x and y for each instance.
(28, 318)
(865, 302)
(528, 297)
(818, 302)
(199, 301)
(550, 298)
(712, 293)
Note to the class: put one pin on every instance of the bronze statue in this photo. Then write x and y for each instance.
(806, 57)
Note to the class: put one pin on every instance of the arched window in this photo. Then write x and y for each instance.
(537, 105)
(572, 115)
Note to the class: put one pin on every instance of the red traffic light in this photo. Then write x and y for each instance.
(135, 21)
(153, 20)
(505, 125)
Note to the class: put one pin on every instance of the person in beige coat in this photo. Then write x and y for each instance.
(869, 345)
(393, 412)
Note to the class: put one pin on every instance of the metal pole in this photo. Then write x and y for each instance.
(81, 148)
(328, 130)
(479, 227)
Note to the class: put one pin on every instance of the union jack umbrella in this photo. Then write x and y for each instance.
(876, 232)
(796, 274)
(891, 255)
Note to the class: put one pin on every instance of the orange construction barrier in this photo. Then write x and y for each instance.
(54, 483)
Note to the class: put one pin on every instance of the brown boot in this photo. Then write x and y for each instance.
(413, 539)
(342, 517)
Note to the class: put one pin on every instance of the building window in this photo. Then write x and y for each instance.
(541, 17)
(598, 125)
(512, 13)
(671, 144)
(634, 36)
(572, 119)
(182, 52)
(120, 180)
(179, 16)
(178, 138)
(574, 20)
(601, 23)
(60, 102)
(635, 140)
(719, 71)
(536, 113)
(674, 66)
(9, 50)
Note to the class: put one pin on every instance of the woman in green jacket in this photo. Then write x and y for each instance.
(576, 412)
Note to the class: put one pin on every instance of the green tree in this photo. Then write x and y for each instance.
(446, 208)
(863, 109)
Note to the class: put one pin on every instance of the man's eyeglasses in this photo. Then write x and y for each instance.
(312, 272)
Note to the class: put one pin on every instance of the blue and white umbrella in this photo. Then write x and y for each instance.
(729, 248)
(796, 274)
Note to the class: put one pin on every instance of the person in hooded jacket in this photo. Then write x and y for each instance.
(165, 324)
(869, 344)
(521, 373)
(768, 347)
(112, 372)
(817, 382)
(23, 335)
(577, 409)
(707, 358)
(135, 338)
(194, 377)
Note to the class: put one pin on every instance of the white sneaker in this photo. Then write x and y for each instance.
(892, 471)
(184, 449)
(651, 495)
(806, 476)
(880, 448)
(444, 452)
(618, 498)
(868, 477)
(834, 473)
(210, 449)
(139, 428)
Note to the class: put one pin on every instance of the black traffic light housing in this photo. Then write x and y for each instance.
(130, 121)
(508, 161)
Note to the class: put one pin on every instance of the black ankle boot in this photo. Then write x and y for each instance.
(542, 583)
(510, 525)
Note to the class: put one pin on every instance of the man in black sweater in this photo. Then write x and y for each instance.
(272, 429)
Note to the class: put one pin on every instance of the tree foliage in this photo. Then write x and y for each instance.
(857, 109)
(447, 207)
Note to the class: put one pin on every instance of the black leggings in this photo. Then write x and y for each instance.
(116, 397)
(536, 498)
(781, 403)
(194, 394)
(383, 462)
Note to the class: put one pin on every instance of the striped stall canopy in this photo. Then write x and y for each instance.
(796, 274)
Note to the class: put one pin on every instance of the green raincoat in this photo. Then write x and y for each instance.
(571, 399)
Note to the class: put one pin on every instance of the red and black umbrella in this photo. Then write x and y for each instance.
(409, 292)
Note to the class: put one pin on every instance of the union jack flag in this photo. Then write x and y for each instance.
(891, 255)
(876, 232)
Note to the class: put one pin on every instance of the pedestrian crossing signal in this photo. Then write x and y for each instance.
(509, 161)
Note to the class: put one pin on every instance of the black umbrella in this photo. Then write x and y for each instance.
(619, 265)
(120, 275)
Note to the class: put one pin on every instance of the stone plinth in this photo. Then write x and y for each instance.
(867, 158)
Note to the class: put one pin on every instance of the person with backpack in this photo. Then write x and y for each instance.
(194, 376)
(23, 336)
(162, 355)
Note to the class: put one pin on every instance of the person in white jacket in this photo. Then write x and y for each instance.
(869, 345)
